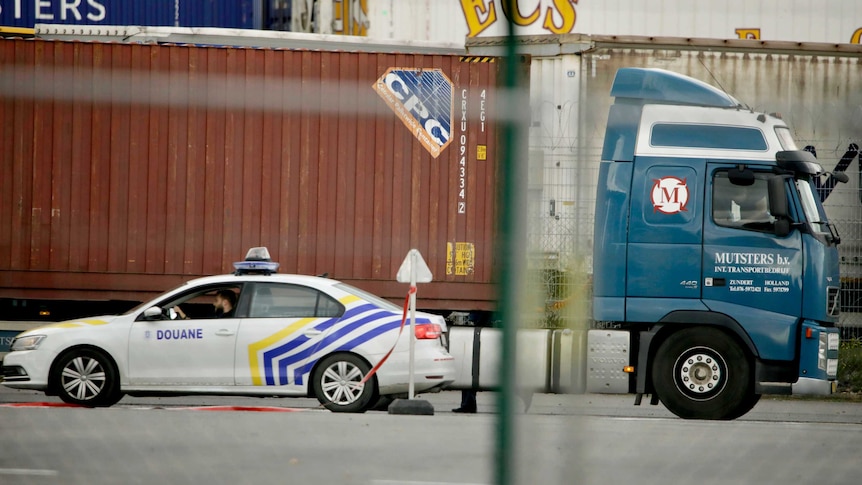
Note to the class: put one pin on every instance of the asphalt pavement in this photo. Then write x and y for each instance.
(565, 439)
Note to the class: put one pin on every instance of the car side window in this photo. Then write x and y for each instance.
(197, 303)
(742, 206)
(274, 300)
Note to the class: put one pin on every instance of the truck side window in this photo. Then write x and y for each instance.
(739, 206)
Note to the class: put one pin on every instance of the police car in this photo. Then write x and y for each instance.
(251, 333)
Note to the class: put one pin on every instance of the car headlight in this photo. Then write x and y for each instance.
(30, 342)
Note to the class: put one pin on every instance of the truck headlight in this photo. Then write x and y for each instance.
(30, 342)
(821, 351)
(833, 341)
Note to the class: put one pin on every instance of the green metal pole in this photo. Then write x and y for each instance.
(510, 257)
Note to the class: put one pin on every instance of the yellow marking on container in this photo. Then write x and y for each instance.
(460, 258)
(477, 59)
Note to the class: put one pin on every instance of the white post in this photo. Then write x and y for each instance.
(412, 332)
(413, 270)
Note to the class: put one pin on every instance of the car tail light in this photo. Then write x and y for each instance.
(427, 331)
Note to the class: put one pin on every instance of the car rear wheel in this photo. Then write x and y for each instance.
(338, 385)
(87, 377)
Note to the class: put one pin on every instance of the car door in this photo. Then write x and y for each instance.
(198, 351)
(284, 333)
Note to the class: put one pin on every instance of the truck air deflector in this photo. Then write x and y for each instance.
(665, 87)
(798, 162)
(621, 132)
(611, 230)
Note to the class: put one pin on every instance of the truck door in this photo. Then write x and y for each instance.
(665, 238)
(749, 273)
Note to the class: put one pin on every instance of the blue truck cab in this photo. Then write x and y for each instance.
(715, 267)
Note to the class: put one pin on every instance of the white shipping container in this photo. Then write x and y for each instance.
(833, 21)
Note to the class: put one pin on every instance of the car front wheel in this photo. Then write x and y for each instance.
(88, 378)
(338, 385)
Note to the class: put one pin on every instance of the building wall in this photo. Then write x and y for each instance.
(834, 21)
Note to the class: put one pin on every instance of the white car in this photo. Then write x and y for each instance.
(287, 335)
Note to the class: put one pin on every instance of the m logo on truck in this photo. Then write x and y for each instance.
(422, 98)
(669, 195)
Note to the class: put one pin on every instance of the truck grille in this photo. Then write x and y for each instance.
(832, 301)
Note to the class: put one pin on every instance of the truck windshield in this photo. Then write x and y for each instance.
(785, 138)
(814, 213)
(809, 202)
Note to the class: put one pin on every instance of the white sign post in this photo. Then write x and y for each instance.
(413, 270)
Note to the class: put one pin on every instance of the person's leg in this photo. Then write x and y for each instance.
(468, 402)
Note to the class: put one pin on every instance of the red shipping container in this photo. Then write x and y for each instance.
(129, 168)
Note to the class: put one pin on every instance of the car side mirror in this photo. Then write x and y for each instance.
(153, 313)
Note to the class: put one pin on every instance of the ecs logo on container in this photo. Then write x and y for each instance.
(422, 99)
(669, 195)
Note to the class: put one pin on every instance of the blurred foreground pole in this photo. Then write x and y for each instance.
(511, 256)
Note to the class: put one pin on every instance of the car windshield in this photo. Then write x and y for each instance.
(149, 302)
(384, 304)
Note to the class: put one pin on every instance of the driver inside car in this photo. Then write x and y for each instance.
(224, 305)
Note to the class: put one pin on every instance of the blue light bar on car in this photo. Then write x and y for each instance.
(245, 267)
(257, 261)
(258, 254)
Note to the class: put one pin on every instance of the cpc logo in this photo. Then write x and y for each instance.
(422, 99)
(669, 195)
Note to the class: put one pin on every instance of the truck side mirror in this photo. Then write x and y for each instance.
(840, 177)
(778, 207)
(778, 197)
(741, 176)
(782, 227)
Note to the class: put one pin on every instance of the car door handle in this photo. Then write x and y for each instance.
(312, 333)
(224, 332)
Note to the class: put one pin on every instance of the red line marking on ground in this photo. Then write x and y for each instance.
(40, 405)
(261, 409)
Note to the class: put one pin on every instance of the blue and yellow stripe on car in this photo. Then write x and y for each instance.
(75, 324)
(276, 357)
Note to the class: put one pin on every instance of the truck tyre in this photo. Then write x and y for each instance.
(702, 373)
(86, 377)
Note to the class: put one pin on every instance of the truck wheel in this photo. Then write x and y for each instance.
(88, 378)
(746, 406)
(336, 384)
(702, 373)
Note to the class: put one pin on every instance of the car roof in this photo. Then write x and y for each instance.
(271, 278)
